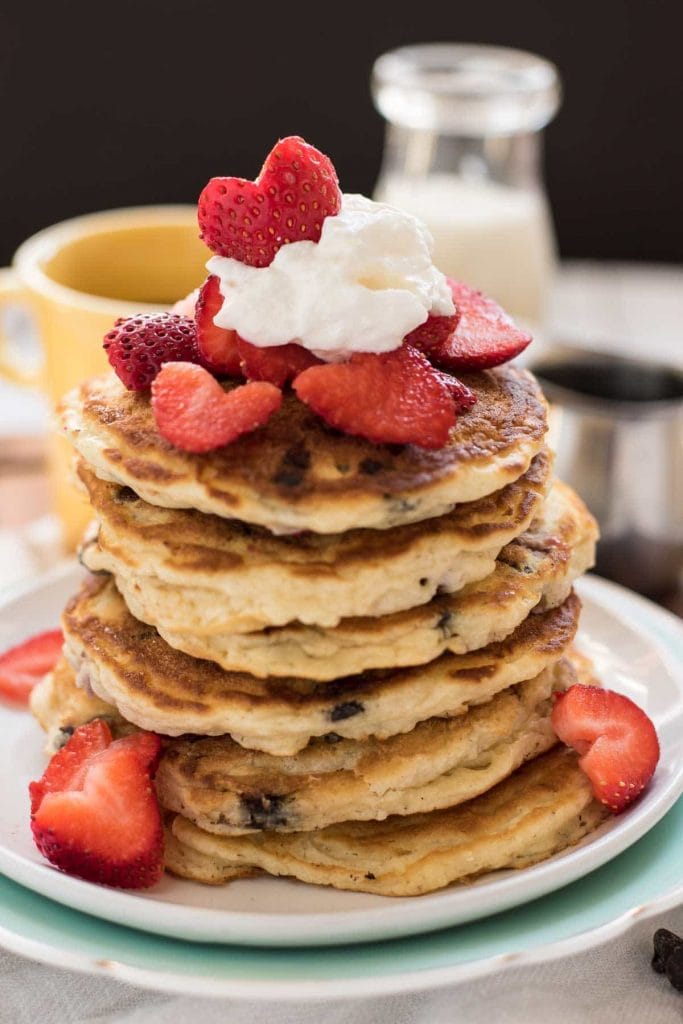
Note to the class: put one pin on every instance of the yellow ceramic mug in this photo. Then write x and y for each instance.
(76, 278)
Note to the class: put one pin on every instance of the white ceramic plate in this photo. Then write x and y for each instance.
(273, 912)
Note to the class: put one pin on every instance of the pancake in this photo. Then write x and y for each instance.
(60, 707)
(538, 811)
(219, 575)
(296, 473)
(539, 567)
(129, 665)
(225, 789)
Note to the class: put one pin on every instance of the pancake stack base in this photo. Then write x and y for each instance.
(350, 650)
(540, 810)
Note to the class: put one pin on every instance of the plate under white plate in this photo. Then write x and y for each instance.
(279, 912)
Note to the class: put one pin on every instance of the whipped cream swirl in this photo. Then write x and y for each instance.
(367, 283)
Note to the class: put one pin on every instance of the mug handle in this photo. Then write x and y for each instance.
(11, 292)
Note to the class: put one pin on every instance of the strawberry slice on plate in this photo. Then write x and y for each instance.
(217, 346)
(67, 767)
(23, 666)
(482, 336)
(616, 740)
(250, 220)
(94, 812)
(194, 413)
(395, 397)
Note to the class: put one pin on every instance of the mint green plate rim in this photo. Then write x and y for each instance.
(644, 880)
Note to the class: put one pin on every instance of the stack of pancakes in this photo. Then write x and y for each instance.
(351, 648)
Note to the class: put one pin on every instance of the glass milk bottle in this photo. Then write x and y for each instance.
(463, 153)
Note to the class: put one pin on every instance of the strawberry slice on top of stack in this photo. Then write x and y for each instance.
(406, 396)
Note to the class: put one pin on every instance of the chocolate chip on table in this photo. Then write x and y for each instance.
(668, 956)
(674, 968)
(664, 943)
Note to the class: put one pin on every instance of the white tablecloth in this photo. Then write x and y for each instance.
(628, 309)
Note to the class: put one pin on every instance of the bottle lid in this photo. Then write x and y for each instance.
(466, 89)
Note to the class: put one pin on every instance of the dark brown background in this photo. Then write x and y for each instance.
(141, 101)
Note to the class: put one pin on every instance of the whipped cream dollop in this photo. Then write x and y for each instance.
(362, 287)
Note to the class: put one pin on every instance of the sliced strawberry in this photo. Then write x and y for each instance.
(434, 332)
(462, 396)
(616, 739)
(278, 364)
(396, 397)
(67, 768)
(94, 813)
(194, 413)
(137, 346)
(250, 220)
(23, 666)
(484, 335)
(217, 346)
